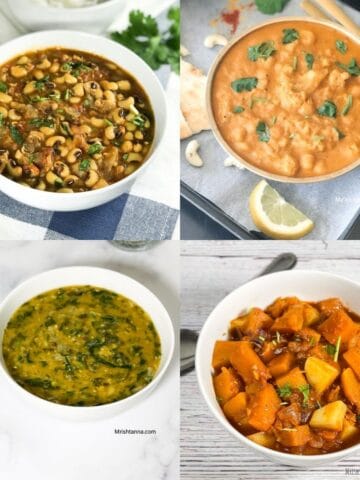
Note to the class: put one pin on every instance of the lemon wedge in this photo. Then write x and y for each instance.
(274, 216)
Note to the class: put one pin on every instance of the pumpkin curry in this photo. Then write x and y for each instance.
(286, 98)
(288, 377)
(81, 346)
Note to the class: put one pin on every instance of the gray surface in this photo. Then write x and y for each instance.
(332, 205)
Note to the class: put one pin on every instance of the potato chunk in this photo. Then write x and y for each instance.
(329, 417)
(349, 430)
(263, 438)
(320, 374)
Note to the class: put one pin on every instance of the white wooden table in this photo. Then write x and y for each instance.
(210, 270)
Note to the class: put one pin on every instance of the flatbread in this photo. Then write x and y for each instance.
(194, 116)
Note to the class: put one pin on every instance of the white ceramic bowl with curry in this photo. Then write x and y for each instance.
(84, 343)
(284, 99)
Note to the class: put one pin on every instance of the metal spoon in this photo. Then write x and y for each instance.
(188, 338)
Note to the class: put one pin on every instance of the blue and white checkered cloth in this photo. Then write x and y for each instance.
(148, 212)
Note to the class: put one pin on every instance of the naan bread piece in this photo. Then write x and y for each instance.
(185, 130)
(192, 98)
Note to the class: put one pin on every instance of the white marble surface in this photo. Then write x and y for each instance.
(36, 446)
(209, 271)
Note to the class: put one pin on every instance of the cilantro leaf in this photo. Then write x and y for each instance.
(305, 390)
(238, 109)
(341, 46)
(285, 391)
(309, 59)
(352, 67)
(94, 149)
(262, 50)
(84, 165)
(145, 39)
(271, 6)
(3, 87)
(347, 106)
(327, 109)
(245, 84)
(290, 35)
(263, 132)
(16, 135)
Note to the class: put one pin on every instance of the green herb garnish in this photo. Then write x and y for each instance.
(94, 149)
(330, 349)
(40, 84)
(309, 59)
(238, 109)
(3, 87)
(327, 109)
(155, 47)
(263, 132)
(352, 67)
(341, 46)
(262, 50)
(255, 100)
(16, 135)
(337, 349)
(84, 164)
(67, 94)
(305, 390)
(285, 391)
(271, 6)
(42, 122)
(347, 106)
(245, 84)
(139, 120)
(290, 35)
(1, 119)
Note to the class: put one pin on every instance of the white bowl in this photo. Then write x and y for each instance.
(98, 277)
(94, 19)
(307, 285)
(64, 202)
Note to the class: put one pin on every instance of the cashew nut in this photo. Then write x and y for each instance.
(233, 162)
(212, 41)
(184, 52)
(191, 154)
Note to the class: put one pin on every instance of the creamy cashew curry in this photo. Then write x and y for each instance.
(288, 377)
(81, 346)
(71, 121)
(286, 98)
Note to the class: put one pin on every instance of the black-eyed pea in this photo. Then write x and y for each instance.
(109, 132)
(3, 112)
(93, 165)
(127, 146)
(124, 85)
(110, 96)
(130, 127)
(74, 155)
(19, 155)
(78, 90)
(17, 71)
(50, 142)
(71, 180)
(120, 97)
(47, 131)
(44, 65)
(75, 100)
(130, 117)
(127, 103)
(111, 66)
(307, 161)
(129, 136)
(61, 169)
(131, 168)
(53, 179)
(13, 115)
(59, 80)
(97, 122)
(138, 135)
(134, 157)
(5, 98)
(118, 117)
(109, 85)
(65, 190)
(41, 185)
(38, 74)
(23, 60)
(14, 169)
(92, 178)
(137, 147)
(55, 67)
(29, 88)
(63, 149)
(100, 184)
(70, 79)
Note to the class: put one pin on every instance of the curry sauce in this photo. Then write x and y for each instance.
(286, 98)
(81, 345)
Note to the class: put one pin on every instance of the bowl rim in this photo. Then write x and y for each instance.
(215, 129)
(39, 194)
(280, 457)
(92, 408)
(90, 8)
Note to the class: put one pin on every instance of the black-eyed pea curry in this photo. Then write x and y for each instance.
(286, 98)
(71, 121)
(81, 346)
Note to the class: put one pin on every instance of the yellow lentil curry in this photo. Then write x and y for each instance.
(286, 98)
(81, 345)
(71, 121)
